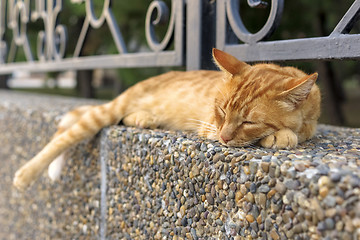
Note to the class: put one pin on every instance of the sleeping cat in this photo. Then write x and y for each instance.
(276, 107)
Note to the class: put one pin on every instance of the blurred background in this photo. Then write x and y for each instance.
(339, 79)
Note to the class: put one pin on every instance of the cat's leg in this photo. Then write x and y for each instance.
(284, 138)
(69, 119)
(87, 126)
(142, 119)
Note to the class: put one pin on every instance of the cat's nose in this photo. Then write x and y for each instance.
(225, 138)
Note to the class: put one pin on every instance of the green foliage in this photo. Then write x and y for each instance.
(301, 18)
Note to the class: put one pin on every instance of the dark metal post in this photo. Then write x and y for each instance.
(3, 81)
(84, 83)
(208, 33)
(200, 34)
(333, 94)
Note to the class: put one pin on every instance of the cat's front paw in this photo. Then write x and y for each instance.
(282, 139)
(140, 119)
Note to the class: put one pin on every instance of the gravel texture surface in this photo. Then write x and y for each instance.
(171, 185)
(68, 209)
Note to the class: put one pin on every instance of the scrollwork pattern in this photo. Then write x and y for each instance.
(94, 21)
(51, 42)
(19, 10)
(162, 16)
(91, 20)
(257, 3)
(237, 25)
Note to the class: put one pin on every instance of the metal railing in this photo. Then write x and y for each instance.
(51, 42)
(338, 45)
(186, 33)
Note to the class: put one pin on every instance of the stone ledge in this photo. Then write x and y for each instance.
(168, 184)
(63, 210)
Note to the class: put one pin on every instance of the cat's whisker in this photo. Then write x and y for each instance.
(198, 125)
(204, 128)
(220, 91)
(251, 143)
(203, 122)
(208, 129)
(255, 107)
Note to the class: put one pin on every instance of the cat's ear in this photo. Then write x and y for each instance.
(228, 63)
(298, 91)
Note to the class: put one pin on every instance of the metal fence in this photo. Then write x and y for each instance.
(186, 34)
(51, 42)
(194, 27)
(338, 45)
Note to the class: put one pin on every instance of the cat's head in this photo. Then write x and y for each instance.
(256, 101)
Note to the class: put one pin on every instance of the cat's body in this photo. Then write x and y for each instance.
(240, 105)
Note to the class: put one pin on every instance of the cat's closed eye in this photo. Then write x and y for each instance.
(248, 122)
(222, 112)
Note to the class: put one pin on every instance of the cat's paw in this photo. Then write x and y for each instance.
(282, 139)
(140, 119)
(23, 178)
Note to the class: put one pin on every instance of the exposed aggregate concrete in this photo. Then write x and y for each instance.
(171, 185)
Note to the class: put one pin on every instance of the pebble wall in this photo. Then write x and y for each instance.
(129, 183)
(171, 185)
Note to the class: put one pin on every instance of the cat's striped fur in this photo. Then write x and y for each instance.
(240, 105)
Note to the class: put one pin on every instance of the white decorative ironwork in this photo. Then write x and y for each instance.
(51, 42)
(162, 16)
(237, 25)
(93, 21)
(201, 35)
(19, 10)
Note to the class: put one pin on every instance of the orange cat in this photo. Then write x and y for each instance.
(274, 106)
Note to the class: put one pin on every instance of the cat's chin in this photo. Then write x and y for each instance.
(239, 144)
(230, 144)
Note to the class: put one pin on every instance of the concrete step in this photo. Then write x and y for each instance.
(129, 183)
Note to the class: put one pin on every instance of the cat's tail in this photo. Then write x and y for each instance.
(90, 122)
